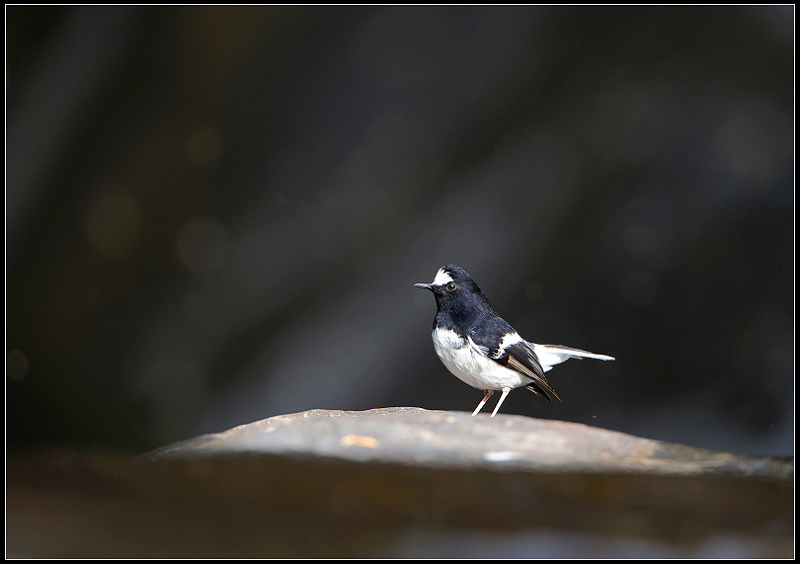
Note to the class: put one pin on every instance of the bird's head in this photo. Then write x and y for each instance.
(452, 283)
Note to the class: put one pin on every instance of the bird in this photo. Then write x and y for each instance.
(484, 350)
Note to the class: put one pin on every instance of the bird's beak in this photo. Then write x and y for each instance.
(424, 286)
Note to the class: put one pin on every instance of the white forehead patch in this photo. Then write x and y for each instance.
(442, 278)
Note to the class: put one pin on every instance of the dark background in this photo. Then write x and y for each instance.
(216, 215)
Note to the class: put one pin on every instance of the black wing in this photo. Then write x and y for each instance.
(521, 357)
(518, 355)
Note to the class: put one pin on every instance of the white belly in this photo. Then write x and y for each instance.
(471, 366)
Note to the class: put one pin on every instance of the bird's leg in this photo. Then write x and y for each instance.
(486, 395)
(500, 401)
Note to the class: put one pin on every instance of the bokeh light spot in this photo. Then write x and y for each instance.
(204, 145)
(16, 365)
(202, 244)
(113, 223)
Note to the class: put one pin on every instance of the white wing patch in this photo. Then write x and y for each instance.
(510, 339)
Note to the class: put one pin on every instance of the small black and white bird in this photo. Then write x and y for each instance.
(482, 349)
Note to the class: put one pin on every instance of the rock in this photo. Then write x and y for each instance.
(398, 482)
(415, 436)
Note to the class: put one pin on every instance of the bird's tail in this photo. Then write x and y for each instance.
(550, 355)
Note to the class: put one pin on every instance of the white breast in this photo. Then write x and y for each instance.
(471, 366)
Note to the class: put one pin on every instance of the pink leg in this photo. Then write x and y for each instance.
(500, 401)
(486, 395)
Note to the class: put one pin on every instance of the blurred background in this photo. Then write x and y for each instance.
(216, 215)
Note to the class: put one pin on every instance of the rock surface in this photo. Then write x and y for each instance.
(397, 482)
(449, 439)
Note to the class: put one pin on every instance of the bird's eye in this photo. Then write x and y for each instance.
(451, 286)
